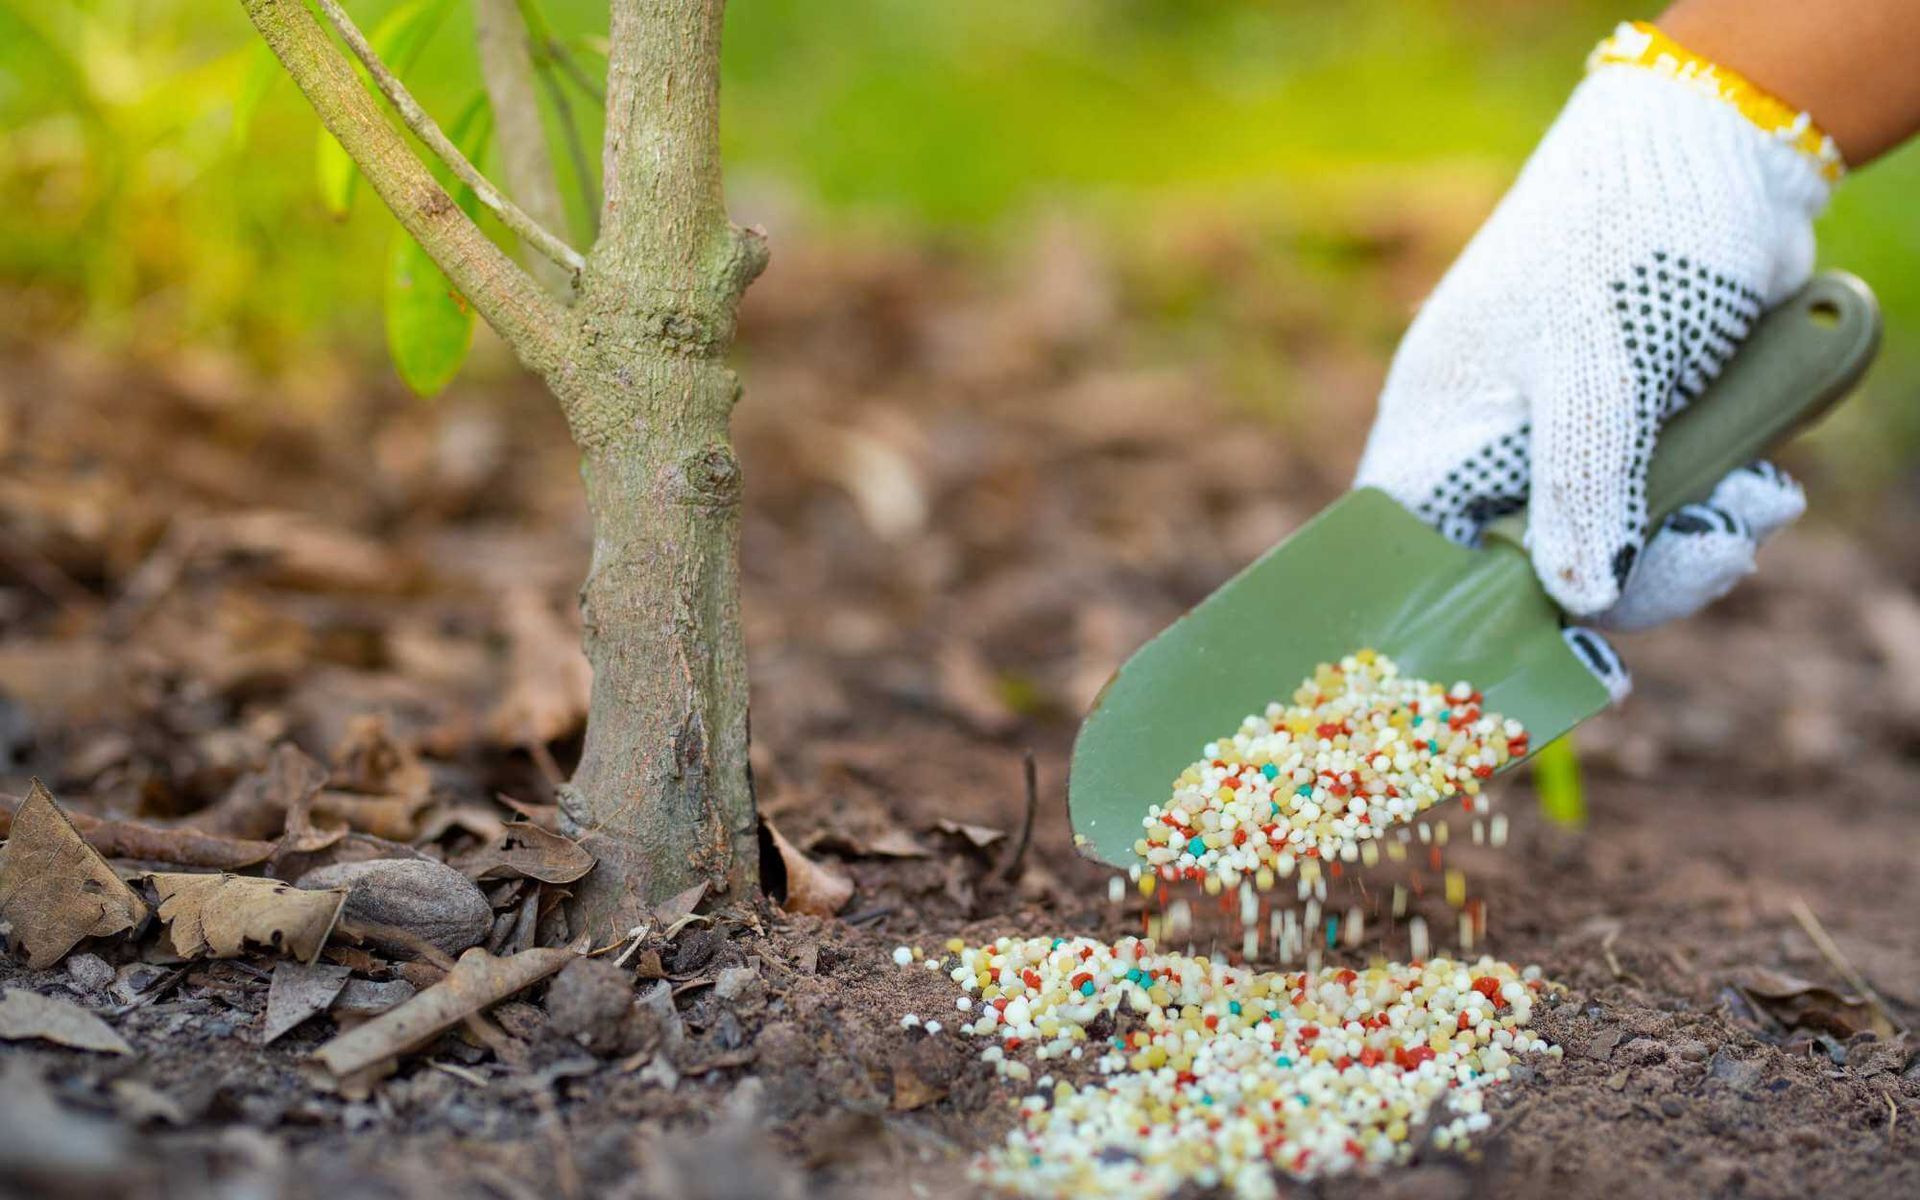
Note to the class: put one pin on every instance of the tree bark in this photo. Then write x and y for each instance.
(662, 796)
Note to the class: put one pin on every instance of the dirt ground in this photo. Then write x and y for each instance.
(972, 489)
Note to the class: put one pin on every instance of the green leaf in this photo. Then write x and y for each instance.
(1556, 780)
(399, 39)
(429, 324)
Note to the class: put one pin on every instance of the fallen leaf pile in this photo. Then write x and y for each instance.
(364, 933)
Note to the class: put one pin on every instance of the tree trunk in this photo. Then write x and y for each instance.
(638, 364)
(662, 796)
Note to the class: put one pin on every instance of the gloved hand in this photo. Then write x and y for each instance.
(1664, 211)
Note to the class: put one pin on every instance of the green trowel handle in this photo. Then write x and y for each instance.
(1800, 360)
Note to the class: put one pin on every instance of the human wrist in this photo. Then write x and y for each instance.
(1848, 62)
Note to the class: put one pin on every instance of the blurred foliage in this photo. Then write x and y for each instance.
(157, 176)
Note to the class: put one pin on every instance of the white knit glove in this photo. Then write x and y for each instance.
(1654, 223)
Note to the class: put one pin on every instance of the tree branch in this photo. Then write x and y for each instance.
(415, 118)
(576, 149)
(555, 51)
(550, 61)
(570, 66)
(507, 67)
(527, 318)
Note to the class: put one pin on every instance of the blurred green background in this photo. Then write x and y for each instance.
(157, 175)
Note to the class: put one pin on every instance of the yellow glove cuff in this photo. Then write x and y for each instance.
(1638, 44)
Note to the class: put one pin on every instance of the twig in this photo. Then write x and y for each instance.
(550, 61)
(1016, 861)
(458, 1072)
(1893, 1116)
(151, 994)
(492, 1037)
(1814, 930)
(576, 149)
(525, 315)
(551, 47)
(507, 64)
(575, 72)
(1606, 948)
(639, 934)
(423, 126)
(556, 49)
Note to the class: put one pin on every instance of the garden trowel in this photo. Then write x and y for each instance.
(1367, 573)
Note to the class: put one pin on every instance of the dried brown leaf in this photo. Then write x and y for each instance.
(477, 982)
(483, 823)
(1890, 617)
(54, 888)
(298, 991)
(546, 816)
(526, 851)
(673, 913)
(362, 998)
(809, 887)
(980, 837)
(970, 688)
(1794, 1001)
(877, 468)
(301, 836)
(140, 1103)
(25, 1014)
(219, 916)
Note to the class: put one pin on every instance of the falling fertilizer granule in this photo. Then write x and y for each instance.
(1360, 750)
(1219, 1075)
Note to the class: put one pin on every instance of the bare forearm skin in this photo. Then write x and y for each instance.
(1854, 65)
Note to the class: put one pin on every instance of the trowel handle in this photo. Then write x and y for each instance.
(1799, 361)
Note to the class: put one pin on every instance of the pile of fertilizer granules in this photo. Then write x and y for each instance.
(1219, 1075)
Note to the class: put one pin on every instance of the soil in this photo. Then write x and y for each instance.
(973, 488)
